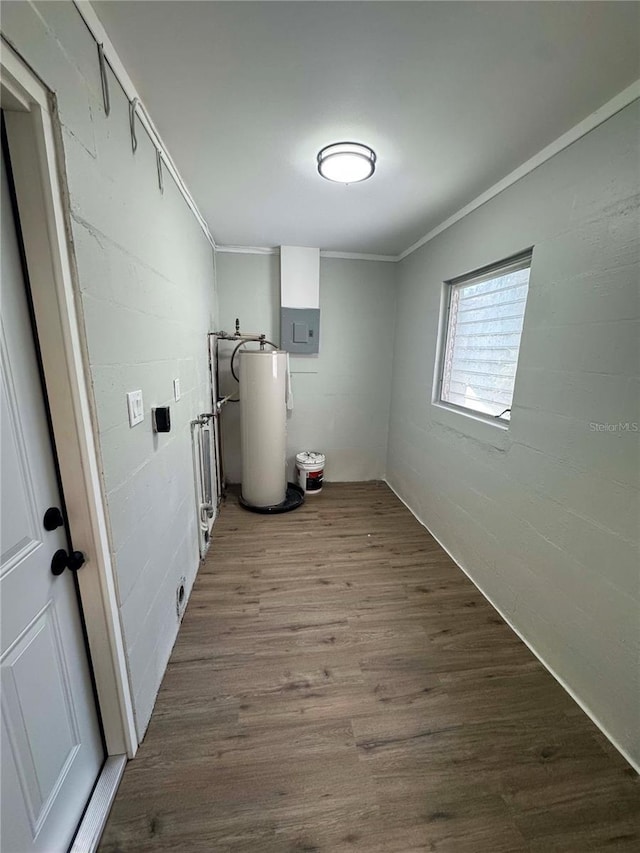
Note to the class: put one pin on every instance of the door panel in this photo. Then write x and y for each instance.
(51, 745)
(44, 741)
(20, 525)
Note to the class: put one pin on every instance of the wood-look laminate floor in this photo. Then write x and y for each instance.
(339, 685)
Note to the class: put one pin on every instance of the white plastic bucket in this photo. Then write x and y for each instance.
(310, 471)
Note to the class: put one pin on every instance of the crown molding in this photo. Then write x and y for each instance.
(602, 114)
(606, 111)
(248, 250)
(598, 117)
(356, 256)
(275, 250)
(100, 36)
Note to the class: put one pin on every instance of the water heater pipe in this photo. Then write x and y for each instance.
(261, 340)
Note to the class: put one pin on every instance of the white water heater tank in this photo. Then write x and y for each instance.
(263, 426)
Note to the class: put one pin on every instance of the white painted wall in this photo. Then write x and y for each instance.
(545, 516)
(145, 275)
(341, 407)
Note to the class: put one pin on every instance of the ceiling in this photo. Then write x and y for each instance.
(452, 97)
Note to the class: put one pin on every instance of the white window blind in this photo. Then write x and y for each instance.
(486, 312)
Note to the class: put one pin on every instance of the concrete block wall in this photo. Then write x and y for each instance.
(145, 273)
(342, 396)
(545, 516)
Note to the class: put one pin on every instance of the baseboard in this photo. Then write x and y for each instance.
(531, 648)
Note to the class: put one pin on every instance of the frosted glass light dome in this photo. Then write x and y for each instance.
(346, 162)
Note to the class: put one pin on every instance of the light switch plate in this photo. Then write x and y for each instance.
(176, 389)
(135, 407)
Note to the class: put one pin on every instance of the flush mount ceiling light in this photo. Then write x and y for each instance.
(346, 162)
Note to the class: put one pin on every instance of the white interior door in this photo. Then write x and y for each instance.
(51, 745)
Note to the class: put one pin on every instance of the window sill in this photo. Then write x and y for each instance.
(483, 429)
(474, 416)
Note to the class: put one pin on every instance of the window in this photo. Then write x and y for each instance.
(484, 325)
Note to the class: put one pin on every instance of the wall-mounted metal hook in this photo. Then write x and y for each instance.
(160, 175)
(104, 80)
(132, 124)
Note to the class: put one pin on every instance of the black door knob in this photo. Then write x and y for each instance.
(52, 518)
(75, 561)
(61, 561)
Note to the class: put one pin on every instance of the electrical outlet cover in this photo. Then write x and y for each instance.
(181, 597)
(135, 407)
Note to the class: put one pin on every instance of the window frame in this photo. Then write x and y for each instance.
(513, 263)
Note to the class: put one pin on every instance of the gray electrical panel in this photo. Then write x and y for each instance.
(300, 330)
